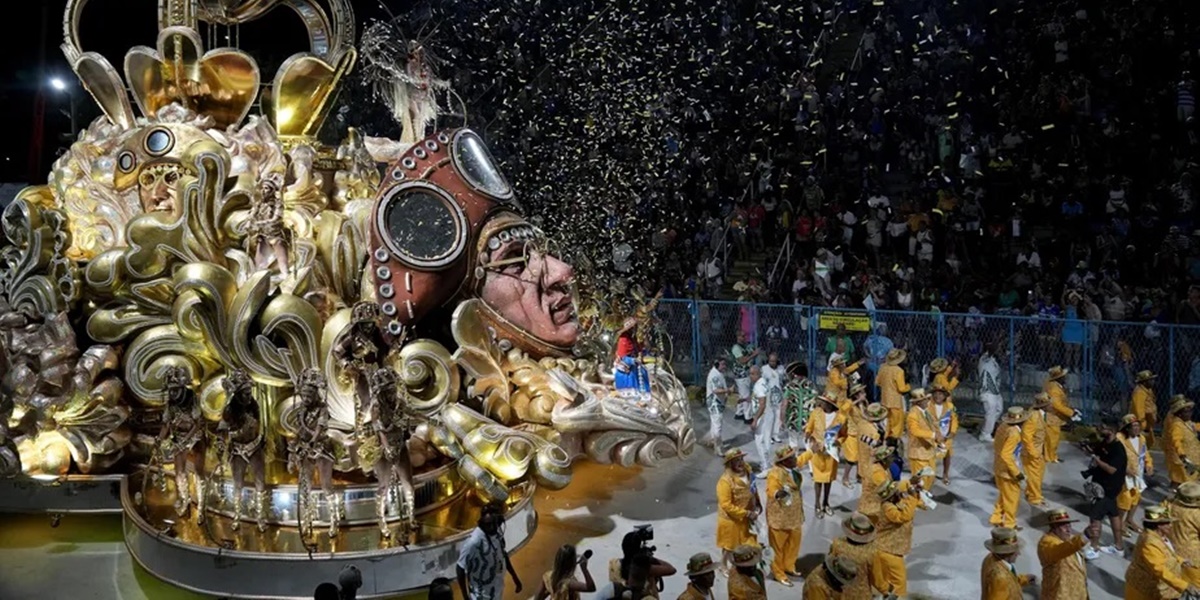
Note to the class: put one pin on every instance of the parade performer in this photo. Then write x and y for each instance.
(879, 475)
(852, 449)
(799, 396)
(785, 512)
(182, 438)
(999, 576)
(360, 350)
(1144, 405)
(924, 437)
(391, 424)
(762, 418)
(1185, 529)
(837, 382)
(312, 451)
(716, 389)
(894, 536)
(871, 428)
(989, 392)
(1180, 448)
(738, 505)
(1060, 411)
(629, 374)
(1006, 467)
(776, 377)
(242, 433)
(744, 354)
(858, 546)
(1064, 572)
(746, 581)
(1033, 449)
(947, 420)
(825, 432)
(945, 374)
(701, 573)
(1138, 466)
(832, 580)
(892, 389)
(1156, 571)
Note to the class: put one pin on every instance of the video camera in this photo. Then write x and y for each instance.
(643, 534)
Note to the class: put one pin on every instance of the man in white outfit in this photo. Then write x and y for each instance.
(763, 418)
(716, 389)
(744, 354)
(773, 373)
(989, 392)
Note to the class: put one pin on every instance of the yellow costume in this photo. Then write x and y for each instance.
(744, 587)
(855, 422)
(1033, 455)
(816, 586)
(837, 383)
(1144, 406)
(1154, 573)
(1006, 468)
(824, 429)
(1138, 466)
(1058, 414)
(873, 432)
(1064, 576)
(922, 443)
(947, 420)
(691, 593)
(1180, 447)
(894, 539)
(876, 477)
(891, 394)
(734, 501)
(1000, 581)
(1185, 529)
(945, 382)
(785, 516)
(866, 556)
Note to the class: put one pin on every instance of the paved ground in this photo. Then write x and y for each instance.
(85, 559)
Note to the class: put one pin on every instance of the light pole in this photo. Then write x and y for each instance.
(60, 85)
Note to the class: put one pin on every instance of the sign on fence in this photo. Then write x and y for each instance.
(830, 319)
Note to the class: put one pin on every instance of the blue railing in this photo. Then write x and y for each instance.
(1103, 356)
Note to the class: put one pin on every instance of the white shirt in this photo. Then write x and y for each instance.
(774, 377)
(715, 381)
(989, 376)
(483, 560)
(762, 391)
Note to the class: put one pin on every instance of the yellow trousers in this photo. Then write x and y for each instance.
(1053, 436)
(1005, 513)
(915, 466)
(1035, 471)
(786, 545)
(895, 422)
(893, 574)
(1128, 499)
(1191, 575)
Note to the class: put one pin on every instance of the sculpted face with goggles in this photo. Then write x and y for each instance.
(443, 230)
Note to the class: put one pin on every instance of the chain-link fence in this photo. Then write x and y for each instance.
(1103, 358)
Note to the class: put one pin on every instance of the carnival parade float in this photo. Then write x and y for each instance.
(277, 356)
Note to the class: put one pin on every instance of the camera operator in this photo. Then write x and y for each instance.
(1107, 470)
(621, 571)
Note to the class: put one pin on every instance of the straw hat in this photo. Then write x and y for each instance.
(938, 365)
(1157, 514)
(1004, 541)
(895, 356)
(837, 361)
(875, 412)
(733, 454)
(937, 387)
(859, 528)
(1041, 400)
(700, 564)
(1059, 517)
(1188, 494)
(1056, 372)
(1128, 420)
(784, 453)
(882, 452)
(1145, 376)
(1014, 415)
(1180, 402)
(855, 389)
(747, 556)
(793, 369)
(888, 489)
(918, 395)
(826, 398)
(841, 568)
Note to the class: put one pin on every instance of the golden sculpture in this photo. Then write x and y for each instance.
(229, 272)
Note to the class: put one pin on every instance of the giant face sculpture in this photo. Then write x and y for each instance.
(155, 159)
(442, 231)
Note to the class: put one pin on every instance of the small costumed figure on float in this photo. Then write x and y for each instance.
(312, 452)
(240, 437)
(387, 450)
(182, 438)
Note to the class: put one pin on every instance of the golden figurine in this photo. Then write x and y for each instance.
(269, 237)
(390, 424)
(242, 433)
(182, 439)
(312, 452)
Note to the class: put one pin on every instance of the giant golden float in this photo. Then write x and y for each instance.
(208, 316)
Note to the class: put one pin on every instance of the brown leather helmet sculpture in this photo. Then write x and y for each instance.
(443, 229)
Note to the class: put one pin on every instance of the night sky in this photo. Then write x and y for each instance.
(111, 27)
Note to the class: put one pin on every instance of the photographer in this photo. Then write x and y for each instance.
(621, 572)
(1107, 470)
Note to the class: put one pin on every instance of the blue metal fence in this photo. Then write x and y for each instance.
(1102, 356)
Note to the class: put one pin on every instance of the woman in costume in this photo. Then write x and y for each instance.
(390, 424)
(241, 431)
(181, 437)
(312, 451)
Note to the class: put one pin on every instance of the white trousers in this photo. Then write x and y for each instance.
(993, 405)
(762, 437)
(743, 390)
(715, 415)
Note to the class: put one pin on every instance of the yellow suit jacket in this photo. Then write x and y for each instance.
(1033, 436)
(869, 503)
(1144, 405)
(866, 556)
(1064, 576)
(734, 502)
(922, 436)
(1180, 444)
(837, 382)
(691, 593)
(816, 587)
(1138, 462)
(1000, 582)
(1185, 532)
(1060, 411)
(950, 383)
(892, 387)
(742, 587)
(1004, 449)
(1155, 571)
(893, 533)
(789, 512)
